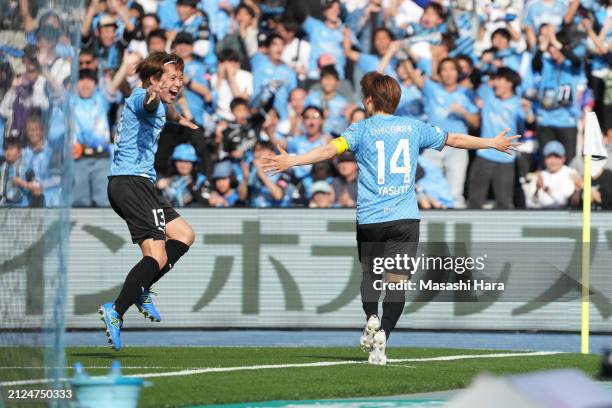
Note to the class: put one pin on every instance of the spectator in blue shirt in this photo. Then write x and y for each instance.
(193, 21)
(449, 107)
(274, 72)
(157, 41)
(199, 99)
(432, 188)
(313, 137)
(366, 62)
(224, 193)
(540, 12)
(364, 22)
(558, 107)
(37, 157)
(501, 54)
(103, 40)
(501, 109)
(92, 146)
(429, 29)
(185, 186)
(326, 37)
(11, 168)
(330, 101)
(260, 189)
(219, 13)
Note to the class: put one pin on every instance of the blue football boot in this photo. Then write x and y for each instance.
(146, 306)
(113, 323)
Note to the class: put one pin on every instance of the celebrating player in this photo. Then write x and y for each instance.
(155, 226)
(386, 148)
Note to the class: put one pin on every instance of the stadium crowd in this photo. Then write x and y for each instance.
(266, 74)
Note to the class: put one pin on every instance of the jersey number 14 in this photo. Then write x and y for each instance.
(402, 152)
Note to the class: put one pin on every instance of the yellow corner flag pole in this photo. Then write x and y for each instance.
(586, 252)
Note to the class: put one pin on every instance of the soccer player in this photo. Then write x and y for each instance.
(163, 236)
(386, 148)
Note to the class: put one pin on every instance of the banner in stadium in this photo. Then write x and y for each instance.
(298, 268)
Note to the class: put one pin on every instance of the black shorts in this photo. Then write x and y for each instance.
(387, 239)
(135, 200)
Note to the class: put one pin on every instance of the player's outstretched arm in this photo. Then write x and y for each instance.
(174, 116)
(283, 161)
(500, 142)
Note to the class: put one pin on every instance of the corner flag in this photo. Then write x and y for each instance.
(594, 149)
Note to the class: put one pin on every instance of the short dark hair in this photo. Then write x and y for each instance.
(356, 110)
(159, 33)
(246, 8)
(438, 8)
(329, 70)
(448, 40)
(509, 75)
(273, 37)
(237, 102)
(263, 144)
(88, 51)
(228, 54)
(153, 66)
(384, 30)
(503, 32)
(35, 114)
(88, 74)
(383, 89)
(312, 107)
(291, 25)
(466, 58)
(445, 60)
(297, 88)
(152, 15)
(12, 141)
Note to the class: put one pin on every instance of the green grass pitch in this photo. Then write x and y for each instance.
(345, 379)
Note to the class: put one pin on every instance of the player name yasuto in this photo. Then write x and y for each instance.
(423, 285)
(393, 190)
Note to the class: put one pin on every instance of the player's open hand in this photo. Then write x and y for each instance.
(276, 164)
(183, 121)
(505, 143)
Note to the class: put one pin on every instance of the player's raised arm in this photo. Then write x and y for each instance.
(174, 116)
(500, 142)
(284, 161)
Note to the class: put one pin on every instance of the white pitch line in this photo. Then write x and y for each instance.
(297, 365)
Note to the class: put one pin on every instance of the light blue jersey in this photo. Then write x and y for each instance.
(497, 115)
(196, 71)
(539, 12)
(411, 102)
(328, 41)
(387, 148)
(438, 101)
(91, 120)
(300, 145)
(370, 62)
(282, 74)
(558, 105)
(137, 135)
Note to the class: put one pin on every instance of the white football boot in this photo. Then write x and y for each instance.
(366, 341)
(378, 355)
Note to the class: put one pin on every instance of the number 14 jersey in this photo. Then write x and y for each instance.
(387, 148)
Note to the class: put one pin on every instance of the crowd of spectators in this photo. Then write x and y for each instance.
(270, 74)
